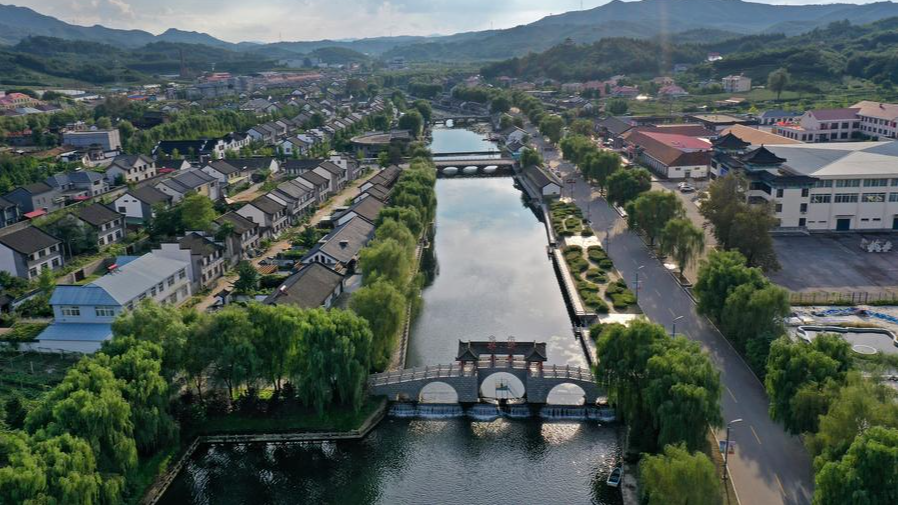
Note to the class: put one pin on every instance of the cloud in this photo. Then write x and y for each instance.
(273, 20)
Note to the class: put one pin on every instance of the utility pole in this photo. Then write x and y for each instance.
(637, 284)
(727, 444)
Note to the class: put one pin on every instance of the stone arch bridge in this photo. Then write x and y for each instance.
(477, 362)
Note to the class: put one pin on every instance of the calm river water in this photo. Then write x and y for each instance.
(494, 278)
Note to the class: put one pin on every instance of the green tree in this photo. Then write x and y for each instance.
(88, 403)
(236, 360)
(677, 476)
(860, 404)
(248, 278)
(412, 121)
(22, 476)
(71, 471)
(384, 307)
(726, 198)
(15, 411)
(104, 123)
(530, 157)
(505, 121)
(600, 165)
(408, 216)
(385, 260)
(151, 322)
(866, 474)
(335, 359)
(391, 229)
(139, 365)
(197, 212)
(625, 185)
(616, 107)
(791, 367)
(551, 126)
(778, 80)
(681, 390)
(424, 108)
(719, 274)
(500, 104)
(683, 241)
(278, 330)
(581, 127)
(652, 210)
(750, 234)
(752, 318)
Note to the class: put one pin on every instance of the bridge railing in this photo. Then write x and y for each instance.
(417, 373)
(568, 372)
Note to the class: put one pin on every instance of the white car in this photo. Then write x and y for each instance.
(685, 188)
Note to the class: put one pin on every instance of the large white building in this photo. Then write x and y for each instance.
(877, 120)
(821, 125)
(838, 186)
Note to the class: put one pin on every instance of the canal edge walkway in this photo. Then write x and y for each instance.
(162, 483)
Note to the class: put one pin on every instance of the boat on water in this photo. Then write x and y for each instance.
(614, 477)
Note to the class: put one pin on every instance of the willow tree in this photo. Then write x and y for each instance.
(384, 307)
(683, 241)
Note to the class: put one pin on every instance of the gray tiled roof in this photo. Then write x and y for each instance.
(345, 242)
(149, 195)
(28, 240)
(97, 214)
(267, 205)
(308, 288)
(241, 224)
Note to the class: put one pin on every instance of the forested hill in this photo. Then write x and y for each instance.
(824, 54)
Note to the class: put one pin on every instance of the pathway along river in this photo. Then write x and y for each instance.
(494, 278)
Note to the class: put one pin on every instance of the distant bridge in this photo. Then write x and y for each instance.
(460, 119)
(472, 164)
(516, 368)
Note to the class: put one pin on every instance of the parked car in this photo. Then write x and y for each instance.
(685, 188)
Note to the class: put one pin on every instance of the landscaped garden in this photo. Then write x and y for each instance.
(591, 272)
(568, 220)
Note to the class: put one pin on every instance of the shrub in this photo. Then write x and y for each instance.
(597, 255)
(271, 281)
(586, 232)
(566, 233)
(578, 264)
(572, 249)
(572, 222)
(596, 275)
(596, 304)
(605, 264)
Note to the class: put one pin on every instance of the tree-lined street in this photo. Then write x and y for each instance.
(769, 466)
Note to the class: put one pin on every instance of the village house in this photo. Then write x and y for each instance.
(139, 205)
(314, 285)
(83, 315)
(339, 249)
(822, 125)
(367, 209)
(270, 215)
(877, 120)
(108, 224)
(130, 168)
(80, 185)
(193, 181)
(736, 84)
(670, 155)
(227, 175)
(36, 199)
(27, 252)
(243, 239)
(9, 213)
(205, 256)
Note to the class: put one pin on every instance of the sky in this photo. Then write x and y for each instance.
(274, 20)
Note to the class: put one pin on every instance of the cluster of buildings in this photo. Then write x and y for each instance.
(175, 270)
(827, 170)
(20, 104)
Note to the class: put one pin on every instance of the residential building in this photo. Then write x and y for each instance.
(736, 84)
(193, 181)
(367, 209)
(336, 176)
(541, 183)
(774, 116)
(227, 175)
(25, 253)
(822, 125)
(386, 177)
(130, 168)
(269, 214)
(838, 186)
(314, 285)
(107, 223)
(257, 165)
(79, 185)
(83, 314)
(298, 198)
(756, 136)
(205, 256)
(317, 183)
(877, 120)
(670, 155)
(243, 240)
(9, 213)
(138, 205)
(718, 122)
(36, 199)
(339, 250)
(108, 140)
(297, 167)
(376, 191)
(200, 149)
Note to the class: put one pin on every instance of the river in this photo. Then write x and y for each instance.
(493, 278)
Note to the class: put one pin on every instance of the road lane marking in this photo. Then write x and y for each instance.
(731, 393)
(756, 435)
(781, 486)
(672, 312)
(656, 291)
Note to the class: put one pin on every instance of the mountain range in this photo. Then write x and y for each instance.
(637, 19)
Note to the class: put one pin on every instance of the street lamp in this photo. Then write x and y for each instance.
(637, 284)
(727, 443)
(674, 325)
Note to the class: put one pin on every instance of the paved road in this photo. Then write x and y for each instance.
(770, 467)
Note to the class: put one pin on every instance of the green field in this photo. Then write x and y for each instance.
(30, 374)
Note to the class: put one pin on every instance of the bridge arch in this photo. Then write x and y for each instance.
(502, 385)
(438, 392)
(566, 393)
